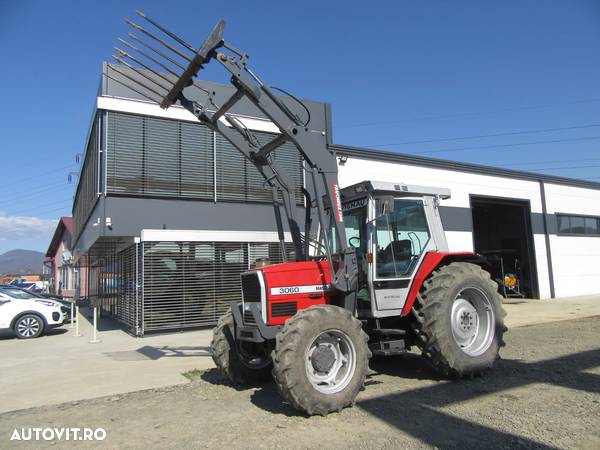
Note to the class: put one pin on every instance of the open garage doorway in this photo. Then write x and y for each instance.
(502, 233)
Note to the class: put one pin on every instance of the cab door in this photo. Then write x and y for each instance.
(400, 239)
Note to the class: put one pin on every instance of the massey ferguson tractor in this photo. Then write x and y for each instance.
(377, 280)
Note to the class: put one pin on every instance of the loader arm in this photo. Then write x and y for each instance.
(319, 160)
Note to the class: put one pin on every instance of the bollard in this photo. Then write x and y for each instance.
(77, 333)
(95, 339)
(72, 317)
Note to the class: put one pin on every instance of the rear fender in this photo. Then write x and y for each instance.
(432, 261)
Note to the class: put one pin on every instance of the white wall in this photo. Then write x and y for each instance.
(462, 185)
(575, 259)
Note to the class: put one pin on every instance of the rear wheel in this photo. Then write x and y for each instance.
(28, 326)
(321, 359)
(243, 363)
(459, 319)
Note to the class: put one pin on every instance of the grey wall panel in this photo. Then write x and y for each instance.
(89, 233)
(537, 223)
(456, 219)
(131, 215)
(318, 111)
(461, 219)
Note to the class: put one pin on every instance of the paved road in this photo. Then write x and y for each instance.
(61, 368)
(544, 393)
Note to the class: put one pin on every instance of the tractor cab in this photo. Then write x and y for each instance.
(391, 226)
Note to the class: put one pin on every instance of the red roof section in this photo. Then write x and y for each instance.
(68, 223)
(64, 223)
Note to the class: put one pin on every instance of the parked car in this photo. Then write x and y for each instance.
(27, 314)
(65, 303)
(34, 286)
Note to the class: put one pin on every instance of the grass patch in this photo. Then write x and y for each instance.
(193, 374)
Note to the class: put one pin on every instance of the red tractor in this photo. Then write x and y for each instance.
(379, 279)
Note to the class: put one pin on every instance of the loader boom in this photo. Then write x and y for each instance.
(319, 160)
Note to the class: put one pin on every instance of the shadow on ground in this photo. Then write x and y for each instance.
(158, 352)
(167, 351)
(416, 412)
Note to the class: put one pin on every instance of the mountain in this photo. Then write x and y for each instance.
(21, 262)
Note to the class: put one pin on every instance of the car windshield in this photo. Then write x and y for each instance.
(17, 293)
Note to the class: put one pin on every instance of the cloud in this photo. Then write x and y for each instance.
(13, 228)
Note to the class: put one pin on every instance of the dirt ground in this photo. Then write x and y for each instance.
(544, 393)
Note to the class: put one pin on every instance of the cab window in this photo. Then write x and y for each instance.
(401, 237)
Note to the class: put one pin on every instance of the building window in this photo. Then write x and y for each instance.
(578, 225)
(75, 278)
(64, 277)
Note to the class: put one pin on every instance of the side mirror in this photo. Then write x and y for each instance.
(386, 204)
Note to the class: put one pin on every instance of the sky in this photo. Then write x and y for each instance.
(511, 84)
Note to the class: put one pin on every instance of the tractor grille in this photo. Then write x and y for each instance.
(249, 318)
(251, 287)
(284, 309)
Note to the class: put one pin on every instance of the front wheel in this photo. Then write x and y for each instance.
(28, 326)
(243, 363)
(459, 320)
(321, 359)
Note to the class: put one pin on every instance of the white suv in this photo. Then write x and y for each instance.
(27, 315)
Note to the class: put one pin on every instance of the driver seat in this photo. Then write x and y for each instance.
(397, 251)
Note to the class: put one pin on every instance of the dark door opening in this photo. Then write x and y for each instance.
(502, 233)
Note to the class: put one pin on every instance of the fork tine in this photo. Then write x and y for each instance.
(160, 41)
(151, 58)
(123, 74)
(128, 86)
(145, 66)
(155, 50)
(167, 32)
(139, 72)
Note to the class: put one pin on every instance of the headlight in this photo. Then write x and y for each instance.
(47, 303)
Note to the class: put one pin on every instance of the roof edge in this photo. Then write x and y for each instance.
(382, 155)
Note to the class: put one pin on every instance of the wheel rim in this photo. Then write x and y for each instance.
(330, 361)
(28, 327)
(472, 321)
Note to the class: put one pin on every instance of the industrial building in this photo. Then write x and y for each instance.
(167, 214)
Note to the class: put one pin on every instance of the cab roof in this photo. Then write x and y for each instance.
(385, 187)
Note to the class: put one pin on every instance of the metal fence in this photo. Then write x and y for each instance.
(114, 284)
(154, 286)
(191, 284)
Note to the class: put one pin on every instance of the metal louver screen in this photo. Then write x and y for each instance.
(159, 157)
(148, 156)
(239, 180)
(191, 284)
(87, 189)
(113, 283)
(128, 299)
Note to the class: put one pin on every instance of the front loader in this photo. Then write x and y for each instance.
(378, 280)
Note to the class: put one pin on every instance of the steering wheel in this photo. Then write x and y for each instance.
(354, 238)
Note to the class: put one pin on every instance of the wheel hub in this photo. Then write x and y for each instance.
(464, 321)
(323, 358)
(28, 327)
(330, 361)
(472, 321)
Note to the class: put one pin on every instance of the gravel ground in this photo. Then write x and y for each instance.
(544, 393)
